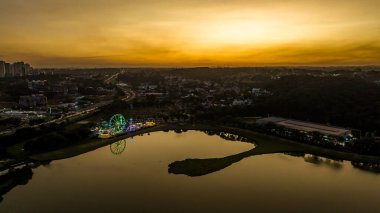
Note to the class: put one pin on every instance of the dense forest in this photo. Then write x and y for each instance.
(340, 101)
(346, 102)
(347, 98)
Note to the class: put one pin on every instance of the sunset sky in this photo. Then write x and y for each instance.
(116, 33)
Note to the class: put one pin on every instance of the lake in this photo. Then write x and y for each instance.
(132, 176)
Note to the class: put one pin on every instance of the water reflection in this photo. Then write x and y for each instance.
(228, 136)
(17, 175)
(200, 167)
(314, 159)
(368, 167)
(118, 147)
(319, 160)
(13, 178)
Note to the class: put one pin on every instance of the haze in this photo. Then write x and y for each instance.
(104, 33)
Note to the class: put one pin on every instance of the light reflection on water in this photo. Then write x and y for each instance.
(137, 179)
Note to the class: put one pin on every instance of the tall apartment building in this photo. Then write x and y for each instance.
(19, 69)
(9, 71)
(15, 69)
(2, 69)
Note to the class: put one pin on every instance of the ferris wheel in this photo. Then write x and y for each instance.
(117, 123)
(118, 147)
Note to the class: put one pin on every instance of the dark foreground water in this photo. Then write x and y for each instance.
(137, 180)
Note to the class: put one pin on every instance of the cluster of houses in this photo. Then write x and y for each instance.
(61, 95)
(194, 92)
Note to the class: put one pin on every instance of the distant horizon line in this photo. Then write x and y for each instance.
(199, 66)
(212, 67)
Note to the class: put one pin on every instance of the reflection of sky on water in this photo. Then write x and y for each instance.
(139, 180)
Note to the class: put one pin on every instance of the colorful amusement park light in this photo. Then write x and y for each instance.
(117, 123)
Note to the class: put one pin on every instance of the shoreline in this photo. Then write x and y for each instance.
(276, 144)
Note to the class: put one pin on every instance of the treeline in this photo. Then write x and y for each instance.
(46, 138)
(365, 145)
(339, 101)
(346, 102)
(135, 78)
(57, 139)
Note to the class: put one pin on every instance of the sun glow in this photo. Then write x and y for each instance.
(190, 33)
(243, 32)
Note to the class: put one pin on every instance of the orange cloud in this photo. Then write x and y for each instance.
(93, 33)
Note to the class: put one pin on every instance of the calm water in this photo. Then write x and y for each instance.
(137, 180)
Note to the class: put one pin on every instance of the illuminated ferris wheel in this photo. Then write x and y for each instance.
(117, 123)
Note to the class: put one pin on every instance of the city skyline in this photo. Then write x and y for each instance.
(100, 33)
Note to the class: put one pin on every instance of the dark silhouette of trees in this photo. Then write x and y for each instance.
(346, 102)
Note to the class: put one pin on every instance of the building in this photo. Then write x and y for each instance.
(27, 69)
(238, 103)
(36, 84)
(259, 92)
(2, 69)
(29, 101)
(72, 89)
(9, 71)
(59, 90)
(308, 128)
(19, 69)
(16, 69)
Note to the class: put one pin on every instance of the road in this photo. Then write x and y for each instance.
(113, 77)
(129, 95)
(64, 117)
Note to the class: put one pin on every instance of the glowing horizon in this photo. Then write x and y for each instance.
(100, 33)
